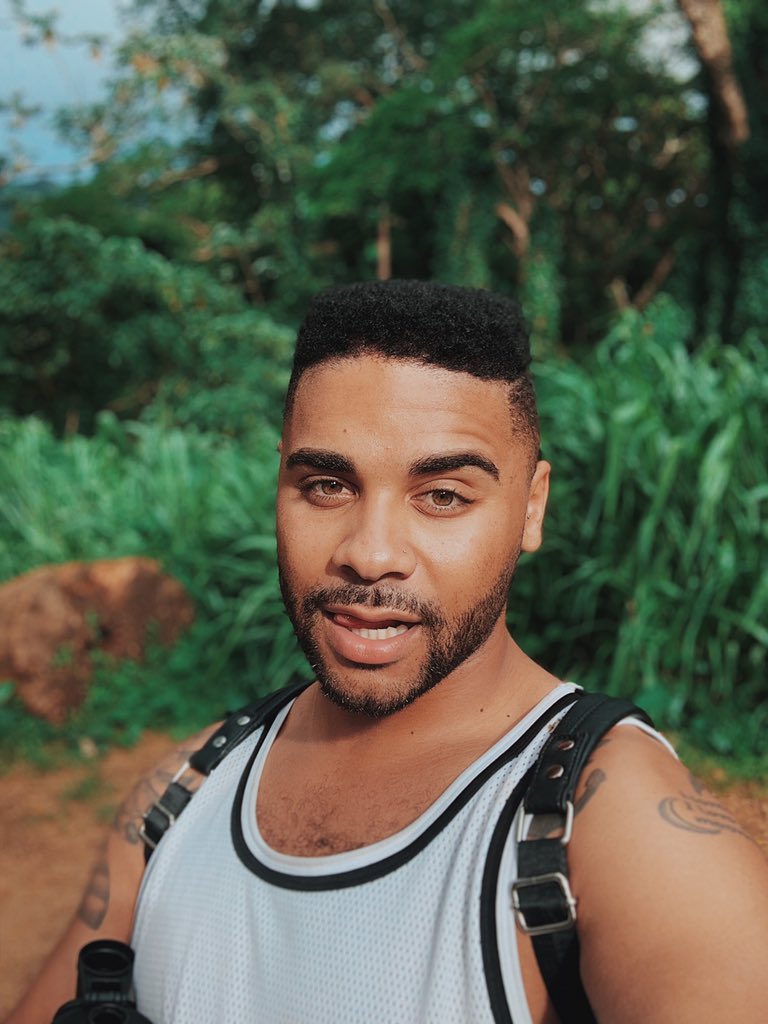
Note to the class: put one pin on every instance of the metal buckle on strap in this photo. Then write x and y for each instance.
(524, 822)
(569, 903)
(158, 804)
(168, 815)
(145, 838)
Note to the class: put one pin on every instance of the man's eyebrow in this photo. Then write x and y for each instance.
(319, 459)
(451, 461)
(332, 462)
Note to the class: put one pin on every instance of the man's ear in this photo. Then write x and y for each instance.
(536, 507)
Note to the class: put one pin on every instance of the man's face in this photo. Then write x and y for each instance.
(404, 500)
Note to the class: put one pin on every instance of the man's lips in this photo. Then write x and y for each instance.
(372, 629)
(370, 636)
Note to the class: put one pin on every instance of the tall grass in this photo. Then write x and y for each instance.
(651, 581)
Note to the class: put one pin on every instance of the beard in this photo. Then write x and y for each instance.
(450, 641)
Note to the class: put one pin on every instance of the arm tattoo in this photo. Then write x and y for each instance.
(95, 902)
(595, 779)
(545, 826)
(695, 814)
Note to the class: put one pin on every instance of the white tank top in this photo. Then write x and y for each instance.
(414, 929)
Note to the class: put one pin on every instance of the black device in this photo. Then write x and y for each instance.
(104, 987)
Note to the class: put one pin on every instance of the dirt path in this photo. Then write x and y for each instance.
(51, 825)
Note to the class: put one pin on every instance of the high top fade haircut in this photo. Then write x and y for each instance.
(463, 329)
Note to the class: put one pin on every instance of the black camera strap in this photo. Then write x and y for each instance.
(544, 905)
(233, 730)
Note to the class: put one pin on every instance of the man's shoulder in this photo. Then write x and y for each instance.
(635, 783)
(666, 879)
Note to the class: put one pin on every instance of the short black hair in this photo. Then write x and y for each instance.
(465, 329)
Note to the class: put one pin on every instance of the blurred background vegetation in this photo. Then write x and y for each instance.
(607, 163)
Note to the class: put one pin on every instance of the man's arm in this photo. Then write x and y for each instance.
(107, 905)
(673, 894)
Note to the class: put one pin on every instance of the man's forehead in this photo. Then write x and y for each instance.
(396, 401)
(403, 373)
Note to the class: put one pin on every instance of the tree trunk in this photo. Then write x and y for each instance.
(384, 245)
(710, 37)
(728, 128)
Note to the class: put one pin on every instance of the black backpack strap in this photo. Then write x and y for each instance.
(544, 905)
(164, 811)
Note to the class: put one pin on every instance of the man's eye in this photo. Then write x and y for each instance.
(324, 491)
(329, 486)
(443, 500)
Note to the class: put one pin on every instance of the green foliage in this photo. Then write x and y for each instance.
(251, 153)
(131, 198)
(543, 110)
(273, 144)
(88, 323)
(299, 131)
(650, 581)
(238, 383)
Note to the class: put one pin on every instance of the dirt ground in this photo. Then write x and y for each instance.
(51, 824)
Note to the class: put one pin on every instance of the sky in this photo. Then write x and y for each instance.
(52, 76)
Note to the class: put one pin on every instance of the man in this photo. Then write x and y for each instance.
(333, 867)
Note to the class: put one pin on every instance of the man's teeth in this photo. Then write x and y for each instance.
(381, 634)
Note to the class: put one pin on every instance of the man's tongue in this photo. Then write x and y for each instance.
(352, 622)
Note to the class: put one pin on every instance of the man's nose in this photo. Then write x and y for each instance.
(375, 542)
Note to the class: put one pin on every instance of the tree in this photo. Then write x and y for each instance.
(457, 141)
(553, 120)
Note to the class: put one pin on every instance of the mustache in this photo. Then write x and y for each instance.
(381, 596)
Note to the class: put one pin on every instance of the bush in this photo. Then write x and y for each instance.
(89, 323)
(239, 382)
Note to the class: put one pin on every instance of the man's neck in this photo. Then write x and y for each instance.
(480, 701)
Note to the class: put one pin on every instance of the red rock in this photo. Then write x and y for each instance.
(52, 619)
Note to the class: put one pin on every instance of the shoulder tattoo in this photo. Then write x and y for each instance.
(696, 812)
